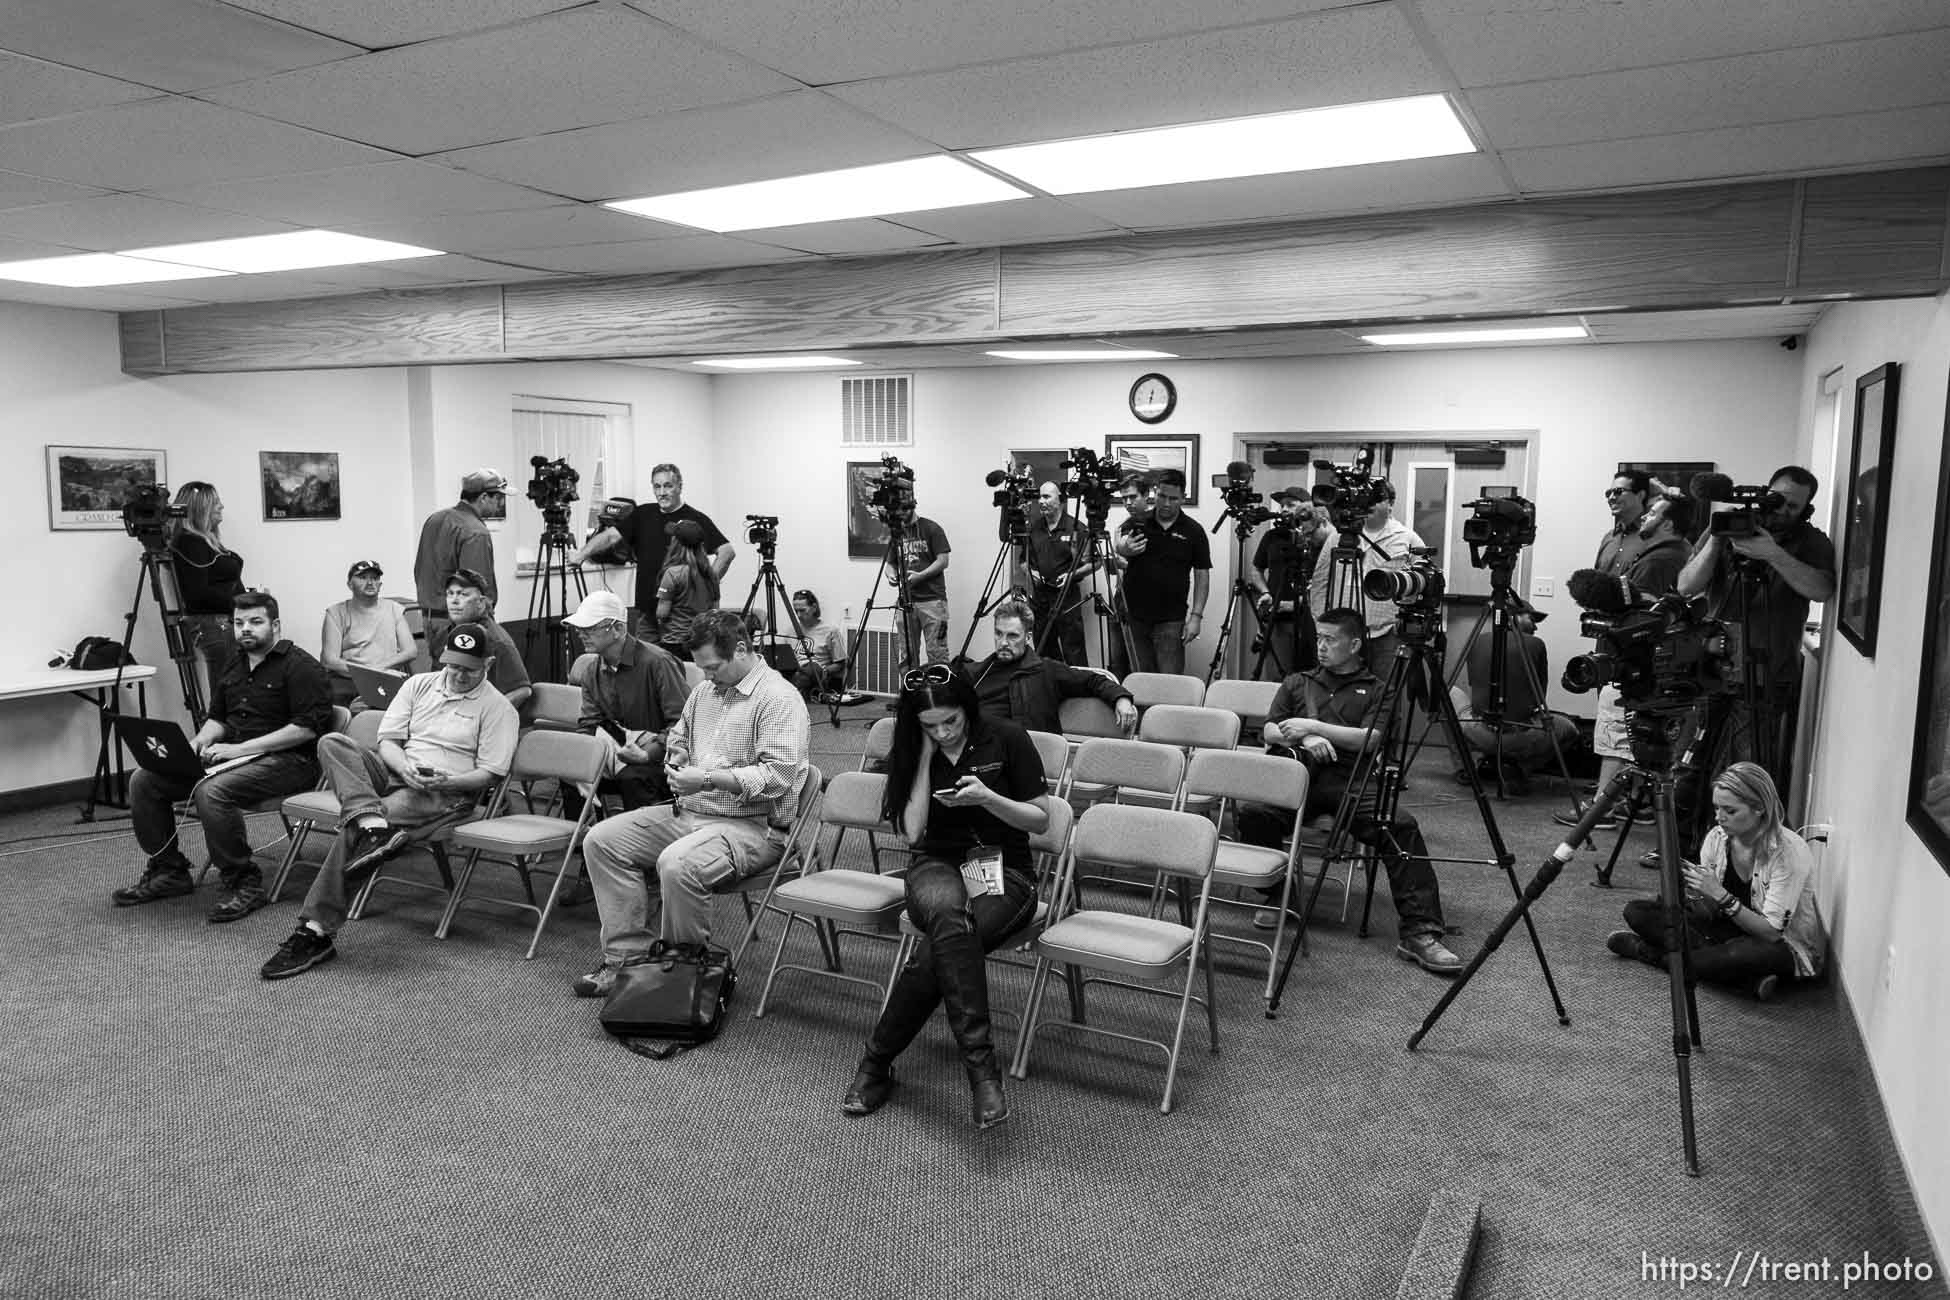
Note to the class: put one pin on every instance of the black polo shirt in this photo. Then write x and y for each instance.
(288, 686)
(1000, 755)
(643, 528)
(1779, 611)
(1053, 548)
(1338, 699)
(1157, 582)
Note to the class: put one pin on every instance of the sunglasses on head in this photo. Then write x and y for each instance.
(921, 678)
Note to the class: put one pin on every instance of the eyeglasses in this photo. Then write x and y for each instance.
(917, 679)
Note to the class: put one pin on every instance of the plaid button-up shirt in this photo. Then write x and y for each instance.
(758, 731)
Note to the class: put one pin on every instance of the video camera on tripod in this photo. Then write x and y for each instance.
(762, 531)
(1501, 524)
(892, 498)
(1015, 493)
(1663, 655)
(1749, 505)
(146, 515)
(551, 489)
(1245, 507)
(1353, 493)
(1093, 479)
(1416, 591)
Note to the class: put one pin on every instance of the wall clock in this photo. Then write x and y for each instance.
(1152, 398)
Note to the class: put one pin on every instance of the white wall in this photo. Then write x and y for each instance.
(1886, 899)
(1590, 407)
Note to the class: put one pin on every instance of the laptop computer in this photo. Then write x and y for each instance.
(161, 747)
(376, 687)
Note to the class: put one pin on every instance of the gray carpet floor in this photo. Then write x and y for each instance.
(443, 1119)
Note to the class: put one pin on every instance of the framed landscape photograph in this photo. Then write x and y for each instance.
(1155, 451)
(88, 486)
(1872, 448)
(299, 484)
(1045, 464)
(1929, 766)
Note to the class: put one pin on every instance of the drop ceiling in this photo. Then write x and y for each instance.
(494, 128)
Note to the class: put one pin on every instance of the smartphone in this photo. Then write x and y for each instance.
(424, 770)
(943, 794)
(614, 731)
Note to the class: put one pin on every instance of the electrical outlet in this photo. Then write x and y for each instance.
(846, 615)
(1543, 588)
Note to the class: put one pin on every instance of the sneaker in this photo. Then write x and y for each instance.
(1266, 918)
(236, 904)
(302, 951)
(1609, 822)
(1428, 952)
(1626, 943)
(156, 882)
(597, 983)
(1765, 986)
(1650, 860)
(372, 845)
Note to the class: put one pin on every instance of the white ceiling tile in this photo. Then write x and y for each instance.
(691, 253)
(171, 44)
(1867, 140)
(820, 44)
(842, 238)
(579, 68)
(19, 190)
(783, 136)
(377, 24)
(560, 226)
(1852, 77)
(173, 142)
(30, 89)
(21, 250)
(1421, 183)
(1488, 42)
(1338, 57)
(111, 299)
(342, 196)
(1017, 222)
(119, 221)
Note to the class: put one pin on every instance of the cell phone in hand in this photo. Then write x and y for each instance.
(424, 770)
(614, 731)
(943, 794)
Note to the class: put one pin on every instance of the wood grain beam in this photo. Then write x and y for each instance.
(1882, 234)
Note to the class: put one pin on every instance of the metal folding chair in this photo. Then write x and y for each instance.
(1250, 701)
(1148, 689)
(1242, 776)
(556, 707)
(794, 861)
(303, 813)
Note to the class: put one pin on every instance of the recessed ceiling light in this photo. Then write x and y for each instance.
(1346, 135)
(774, 363)
(1521, 334)
(86, 270)
(916, 185)
(297, 251)
(1081, 354)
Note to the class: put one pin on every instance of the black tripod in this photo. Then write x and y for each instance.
(1416, 672)
(777, 594)
(1649, 770)
(1109, 622)
(896, 560)
(548, 598)
(1001, 582)
(1290, 591)
(1241, 597)
(159, 577)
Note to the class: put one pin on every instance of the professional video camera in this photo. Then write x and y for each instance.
(1749, 502)
(553, 485)
(147, 512)
(1501, 524)
(1243, 505)
(892, 498)
(1353, 493)
(762, 531)
(1663, 655)
(1015, 493)
(1416, 591)
(1092, 479)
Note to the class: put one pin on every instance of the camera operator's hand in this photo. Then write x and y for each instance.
(1760, 546)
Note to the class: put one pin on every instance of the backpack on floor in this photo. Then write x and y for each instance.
(679, 992)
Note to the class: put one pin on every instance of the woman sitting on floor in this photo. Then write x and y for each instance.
(961, 788)
(1750, 899)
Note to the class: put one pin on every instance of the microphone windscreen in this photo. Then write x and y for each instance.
(1711, 486)
(995, 477)
(1601, 593)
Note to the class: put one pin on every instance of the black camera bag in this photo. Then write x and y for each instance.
(678, 992)
(93, 653)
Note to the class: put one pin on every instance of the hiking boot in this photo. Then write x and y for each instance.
(1428, 952)
(236, 904)
(1626, 943)
(302, 951)
(156, 883)
(1611, 821)
(597, 983)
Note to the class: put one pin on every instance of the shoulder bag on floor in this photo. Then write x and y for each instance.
(679, 992)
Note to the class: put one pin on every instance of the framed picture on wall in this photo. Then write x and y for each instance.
(1929, 766)
(299, 484)
(866, 535)
(88, 486)
(1155, 451)
(1045, 464)
(1872, 447)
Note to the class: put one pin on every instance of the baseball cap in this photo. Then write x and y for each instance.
(467, 646)
(484, 480)
(685, 531)
(365, 566)
(1294, 493)
(598, 607)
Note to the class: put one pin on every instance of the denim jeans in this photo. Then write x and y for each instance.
(690, 856)
(365, 786)
(924, 630)
(220, 802)
(1158, 647)
(1723, 953)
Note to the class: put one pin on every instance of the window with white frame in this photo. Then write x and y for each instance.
(593, 437)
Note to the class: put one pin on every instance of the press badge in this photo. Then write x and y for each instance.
(981, 872)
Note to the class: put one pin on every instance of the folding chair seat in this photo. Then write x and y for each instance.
(523, 839)
(1189, 729)
(1243, 776)
(1251, 701)
(1148, 689)
(303, 813)
(836, 900)
(794, 861)
(1055, 753)
(880, 743)
(556, 707)
(1112, 769)
(1087, 716)
(1120, 944)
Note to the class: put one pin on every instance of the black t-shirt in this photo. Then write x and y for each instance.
(1287, 560)
(643, 528)
(206, 578)
(1053, 549)
(1000, 755)
(1520, 702)
(922, 542)
(1157, 582)
(1779, 610)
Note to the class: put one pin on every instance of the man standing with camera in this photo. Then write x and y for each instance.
(1057, 547)
(1166, 552)
(455, 538)
(1388, 541)
(1284, 562)
(920, 548)
(644, 529)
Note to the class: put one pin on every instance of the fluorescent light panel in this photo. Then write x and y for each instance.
(1346, 135)
(297, 251)
(1081, 354)
(1492, 334)
(774, 363)
(916, 185)
(90, 270)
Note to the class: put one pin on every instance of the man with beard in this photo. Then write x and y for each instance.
(1018, 684)
(1167, 553)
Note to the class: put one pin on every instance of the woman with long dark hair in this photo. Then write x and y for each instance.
(688, 587)
(207, 574)
(961, 789)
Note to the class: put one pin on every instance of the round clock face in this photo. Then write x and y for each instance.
(1152, 398)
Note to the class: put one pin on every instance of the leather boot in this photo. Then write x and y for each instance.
(965, 1001)
(872, 1085)
(908, 1008)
